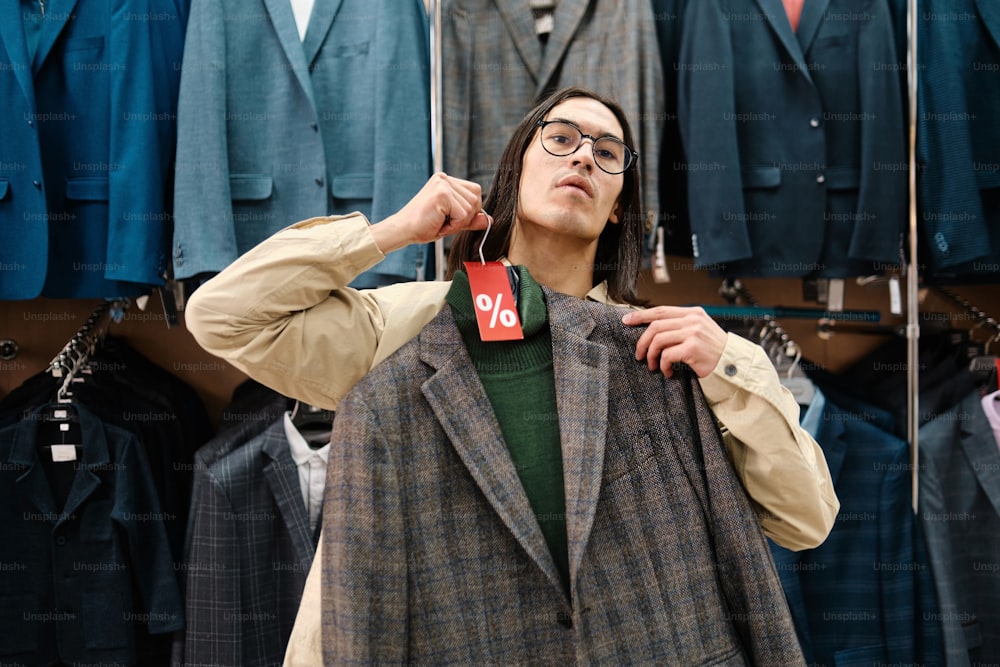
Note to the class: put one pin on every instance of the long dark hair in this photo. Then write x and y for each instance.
(619, 247)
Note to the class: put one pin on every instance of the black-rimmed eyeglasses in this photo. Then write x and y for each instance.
(561, 138)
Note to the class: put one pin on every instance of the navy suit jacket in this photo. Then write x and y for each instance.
(86, 147)
(865, 596)
(794, 141)
(85, 552)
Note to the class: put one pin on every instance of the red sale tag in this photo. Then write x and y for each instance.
(495, 310)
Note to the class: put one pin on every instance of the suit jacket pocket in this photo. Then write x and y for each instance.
(84, 43)
(88, 188)
(760, 177)
(250, 187)
(4, 188)
(21, 631)
(842, 178)
(353, 186)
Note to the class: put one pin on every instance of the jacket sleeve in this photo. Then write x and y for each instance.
(282, 313)
(364, 577)
(780, 465)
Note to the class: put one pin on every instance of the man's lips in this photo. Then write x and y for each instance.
(579, 182)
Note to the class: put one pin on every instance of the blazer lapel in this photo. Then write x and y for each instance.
(283, 21)
(460, 405)
(775, 15)
(320, 22)
(94, 454)
(12, 36)
(567, 18)
(980, 447)
(989, 13)
(521, 27)
(282, 477)
(581, 378)
(813, 12)
(831, 437)
(57, 16)
(33, 484)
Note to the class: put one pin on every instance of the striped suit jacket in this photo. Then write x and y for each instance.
(431, 553)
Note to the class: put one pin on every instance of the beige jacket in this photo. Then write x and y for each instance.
(282, 314)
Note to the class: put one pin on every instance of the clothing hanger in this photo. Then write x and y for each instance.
(313, 423)
(512, 275)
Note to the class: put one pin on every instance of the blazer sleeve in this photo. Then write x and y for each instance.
(142, 122)
(706, 112)
(139, 513)
(364, 577)
(203, 206)
(212, 596)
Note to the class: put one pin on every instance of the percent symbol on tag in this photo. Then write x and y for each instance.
(507, 317)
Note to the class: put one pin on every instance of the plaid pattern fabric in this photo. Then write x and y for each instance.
(250, 551)
(431, 553)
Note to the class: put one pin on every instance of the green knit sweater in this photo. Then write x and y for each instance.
(519, 382)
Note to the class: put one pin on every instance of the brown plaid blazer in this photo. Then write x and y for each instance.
(432, 554)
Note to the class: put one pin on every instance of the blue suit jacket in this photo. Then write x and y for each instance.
(865, 595)
(273, 130)
(958, 136)
(794, 141)
(86, 146)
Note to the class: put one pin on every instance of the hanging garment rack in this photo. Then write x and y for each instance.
(78, 350)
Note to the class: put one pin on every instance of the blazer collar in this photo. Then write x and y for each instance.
(980, 447)
(320, 23)
(12, 37)
(567, 18)
(521, 28)
(35, 484)
(459, 402)
(283, 21)
(57, 15)
(282, 477)
(796, 43)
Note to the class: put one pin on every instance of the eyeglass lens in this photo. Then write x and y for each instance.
(562, 139)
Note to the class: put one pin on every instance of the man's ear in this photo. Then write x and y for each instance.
(615, 216)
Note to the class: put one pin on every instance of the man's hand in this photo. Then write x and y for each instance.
(678, 334)
(445, 205)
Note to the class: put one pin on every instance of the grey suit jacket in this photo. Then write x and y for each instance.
(431, 553)
(959, 501)
(273, 130)
(495, 69)
(249, 553)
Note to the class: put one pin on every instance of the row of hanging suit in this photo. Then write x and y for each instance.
(758, 125)
(891, 584)
(159, 539)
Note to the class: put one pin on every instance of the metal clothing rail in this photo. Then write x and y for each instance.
(912, 284)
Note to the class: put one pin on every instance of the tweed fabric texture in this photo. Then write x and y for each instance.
(431, 553)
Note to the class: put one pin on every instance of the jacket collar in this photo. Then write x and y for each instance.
(12, 38)
(458, 400)
(282, 477)
(796, 42)
(280, 13)
(34, 483)
(980, 447)
(57, 15)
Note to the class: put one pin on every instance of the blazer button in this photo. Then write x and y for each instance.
(319, 181)
(730, 370)
(821, 179)
(814, 122)
(564, 620)
(61, 541)
(37, 184)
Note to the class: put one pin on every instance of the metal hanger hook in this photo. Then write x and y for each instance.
(489, 226)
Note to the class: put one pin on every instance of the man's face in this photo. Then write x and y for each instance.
(570, 195)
